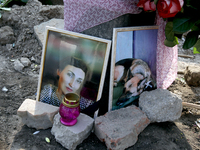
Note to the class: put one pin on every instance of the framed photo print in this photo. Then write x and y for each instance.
(72, 63)
(133, 64)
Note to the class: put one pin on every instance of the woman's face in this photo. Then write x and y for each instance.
(71, 78)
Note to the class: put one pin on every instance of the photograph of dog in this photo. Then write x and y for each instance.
(133, 64)
(131, 78)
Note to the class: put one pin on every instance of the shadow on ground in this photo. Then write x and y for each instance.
(170, 137)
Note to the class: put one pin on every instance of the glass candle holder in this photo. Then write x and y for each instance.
(70, 109)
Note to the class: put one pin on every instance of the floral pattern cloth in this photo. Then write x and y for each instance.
(80, 15)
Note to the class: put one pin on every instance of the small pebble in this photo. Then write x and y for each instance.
(36, 132)
(4, 89)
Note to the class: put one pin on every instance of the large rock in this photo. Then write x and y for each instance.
(119, 129)
(7, 35)
(40, 29)
(71, 136)
(192, 75)
(160, 105)
(18, 65)
(37, 114)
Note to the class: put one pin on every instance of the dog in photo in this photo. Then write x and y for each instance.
(135, 75)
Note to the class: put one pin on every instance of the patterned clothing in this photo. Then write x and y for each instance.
(87, 97)
(48, 95)
(84, 103)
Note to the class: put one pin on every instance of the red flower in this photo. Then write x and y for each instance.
(169, 8)
(147, 5)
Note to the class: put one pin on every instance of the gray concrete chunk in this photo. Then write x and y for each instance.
(37, 114)
(71, 136)
(161, 105)
(39, 30)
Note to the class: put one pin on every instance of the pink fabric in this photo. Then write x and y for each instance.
(80, 15)
(83, 14)
(166, 58)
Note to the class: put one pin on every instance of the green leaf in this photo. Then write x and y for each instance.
(195, 51)
(176, 40)
(195, 28)
(169, 33)
(171, 43)
(178, 35)
(196, 48)
(190, 40)
(193, 4)
(183, 24)
(155, 2)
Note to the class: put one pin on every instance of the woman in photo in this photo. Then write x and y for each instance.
(71, 79)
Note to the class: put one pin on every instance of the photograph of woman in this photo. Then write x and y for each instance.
(73, 63)
(71, 78)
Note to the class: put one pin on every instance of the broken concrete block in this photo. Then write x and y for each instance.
(119, 129)
(71, 136)
(36, 114)
(160, 105)
(40, 29)
(192, 75)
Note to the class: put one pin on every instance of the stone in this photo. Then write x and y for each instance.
(192, 75)
(33, 59)
(39, 30)
(37, 114)
(119, 129)
(9, 46)
(71, 136)
(7, 35)
(25, 61)
(49, 11)
(161, 105)
(35, 67)
(18, 65)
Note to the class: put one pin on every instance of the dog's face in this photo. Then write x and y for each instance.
(133, 87)
(136, 74)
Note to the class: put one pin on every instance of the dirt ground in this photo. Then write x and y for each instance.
(182, 134)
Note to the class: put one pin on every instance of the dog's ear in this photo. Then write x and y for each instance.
(128, 76)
